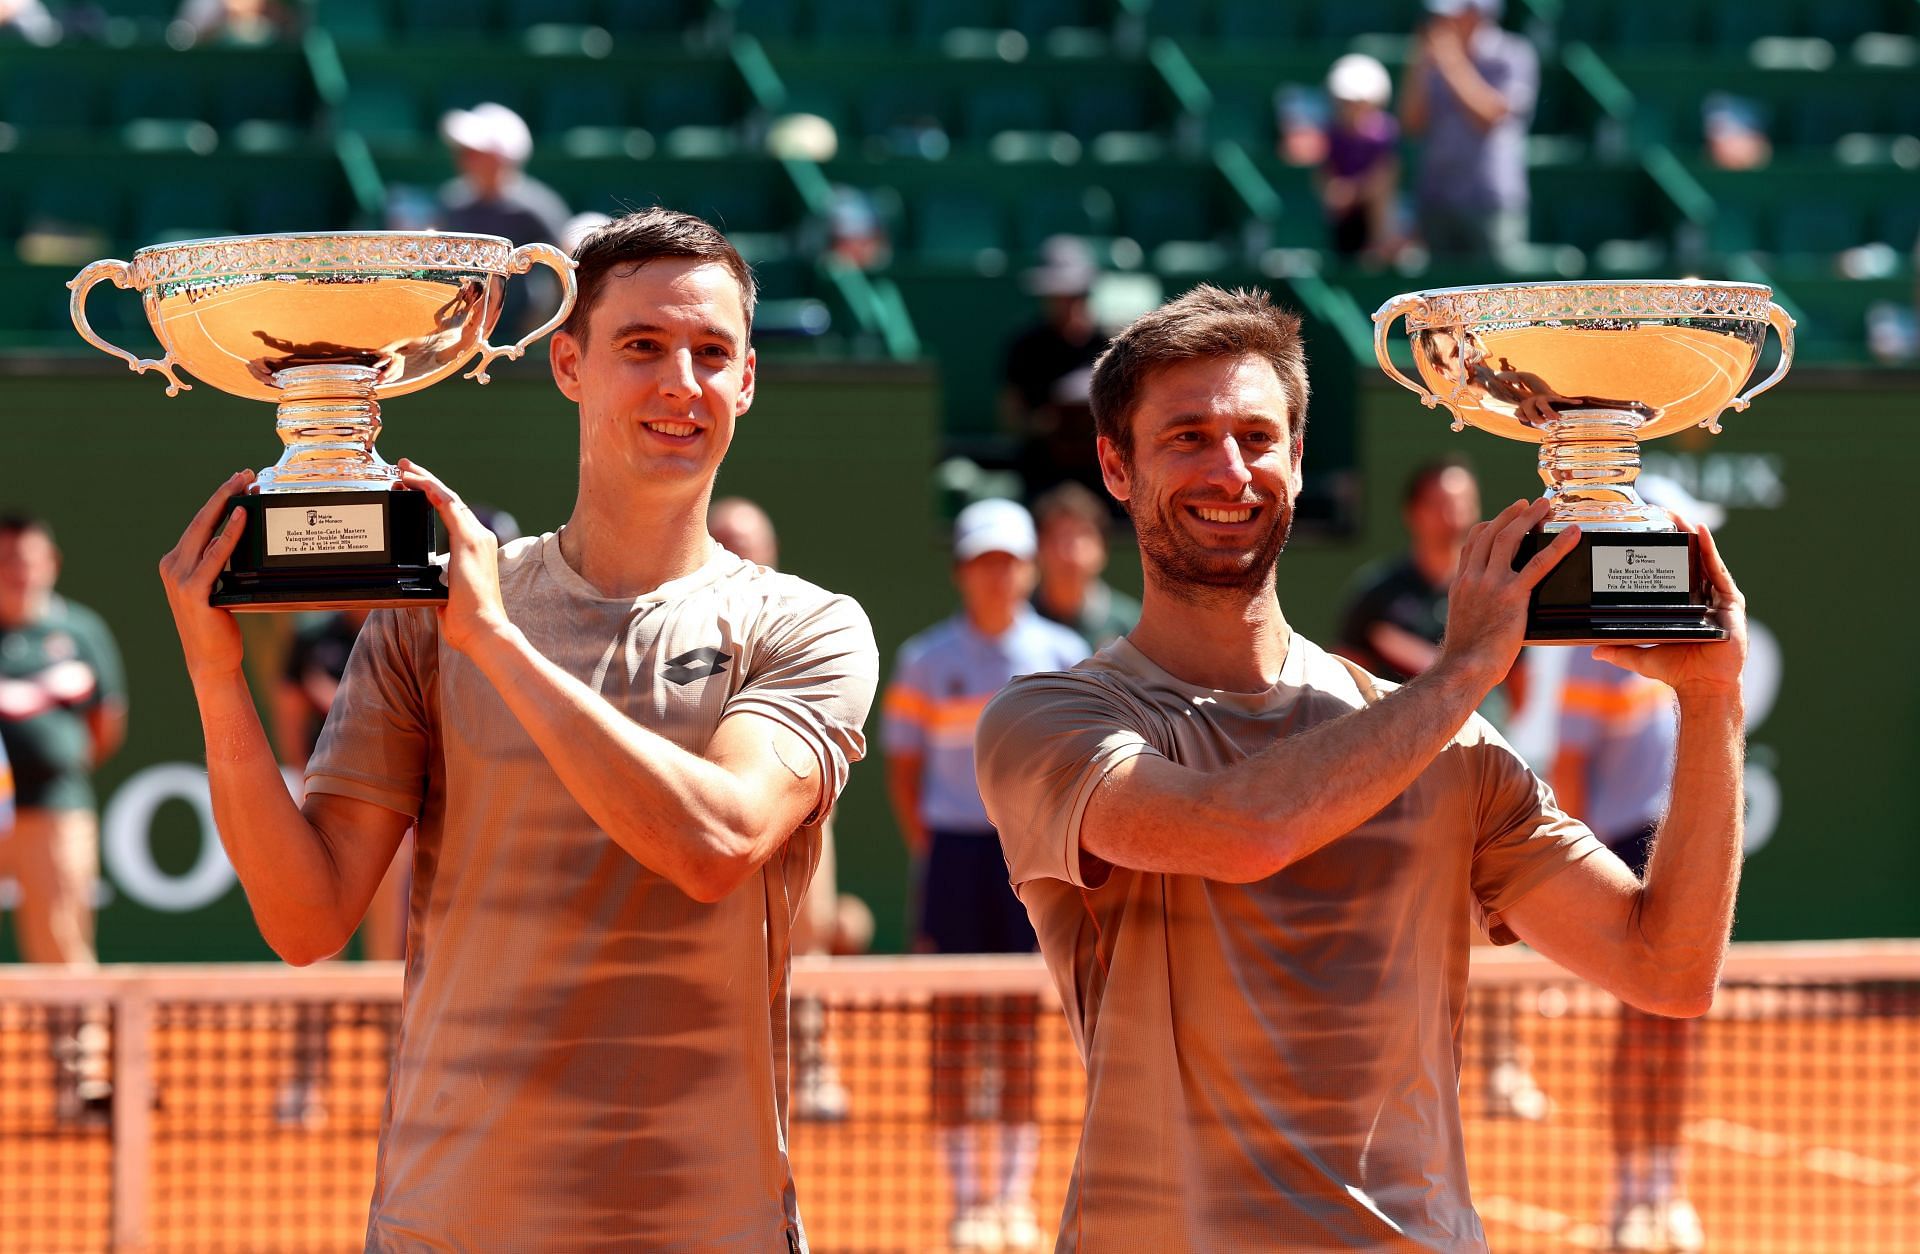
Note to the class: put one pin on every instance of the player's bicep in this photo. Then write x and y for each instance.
(780, 777)
(1149, 813)
(360, 838)
(1586, 919)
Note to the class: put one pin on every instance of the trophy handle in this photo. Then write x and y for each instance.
(520, 261)
(1782, 323)
(80, 285)
(1383, 320)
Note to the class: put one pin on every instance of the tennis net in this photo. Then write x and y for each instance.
(1800, 1122)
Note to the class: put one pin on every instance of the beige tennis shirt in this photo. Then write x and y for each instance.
(588, 1059)
(1274, 1065)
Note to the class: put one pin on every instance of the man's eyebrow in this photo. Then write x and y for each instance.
(710, 331)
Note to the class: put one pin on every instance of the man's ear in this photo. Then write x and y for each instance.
(744, 401)
(1113, 469)
(563, 355)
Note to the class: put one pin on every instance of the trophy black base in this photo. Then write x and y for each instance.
(332, 550)
(1619, 587)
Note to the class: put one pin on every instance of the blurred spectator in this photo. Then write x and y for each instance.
(493, 196)
(802, 136)
(30, 21)
(827, 922)
(1618, 734)
(1073, 524)
(6, 793)
(1395, 616)
(63, 712)
(1360, 179)
(1047, 366)
(232, 22)
(1300, 125)
(855, 232)
(1396, 610)
(1469, 94)
(983, 1048)
(1736, 132)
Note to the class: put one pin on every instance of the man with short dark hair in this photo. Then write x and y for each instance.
(1072, 525)
(616, 740)
(1253, 867)
(1396, 611)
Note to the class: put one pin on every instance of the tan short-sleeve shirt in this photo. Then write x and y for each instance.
(588, 1059)
(1273, 1065)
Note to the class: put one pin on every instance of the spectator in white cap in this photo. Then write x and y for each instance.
(942, 679)
(1469, 94)
(493, 196)
(1360, 178)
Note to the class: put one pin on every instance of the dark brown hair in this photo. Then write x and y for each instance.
(1207, 322)
(1428, 473)
(627, 243)
(1071, 500)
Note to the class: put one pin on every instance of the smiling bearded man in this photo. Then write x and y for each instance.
(1250, 864)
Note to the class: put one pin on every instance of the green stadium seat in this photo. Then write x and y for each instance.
(1341, 21)
(1815, 226)
(581, 103)
(75, 203)
(1244, 115)
(1821, 115)
(888, 106)
(43, 99)
(771, 21)
(1736, 26)
(1070, 210)
(1842, 21)
(1036, 18)
(157, 94)
(668, 103)
(446, 19)
(355, 21)
(841, 22)
(1898, 223)
(1160, 212)
(648, 17)
(1258, 21)
(385, 114)
(184, 210)
(955, 226)
(1096, 109)
(1734, 228)
(518, 15)
(262, 96)
(934, 18)
(992, 108)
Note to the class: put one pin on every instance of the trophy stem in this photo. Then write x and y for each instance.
(1589, 460)
(328, 420)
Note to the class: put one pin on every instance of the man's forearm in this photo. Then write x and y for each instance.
(284, 863)
(1686, 908)
(673, 811)
(1306, 790)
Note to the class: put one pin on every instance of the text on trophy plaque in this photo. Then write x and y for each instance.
(1637, 568)
(304, 531)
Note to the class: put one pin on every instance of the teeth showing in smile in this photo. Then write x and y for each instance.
(672, 428)
(1224, 515)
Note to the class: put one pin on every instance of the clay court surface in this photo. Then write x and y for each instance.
(1805, 1136)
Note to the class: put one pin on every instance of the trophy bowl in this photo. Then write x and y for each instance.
(1587, 371)
(324, 326)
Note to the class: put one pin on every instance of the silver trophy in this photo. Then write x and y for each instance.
(325, 327)
(1587, 371)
